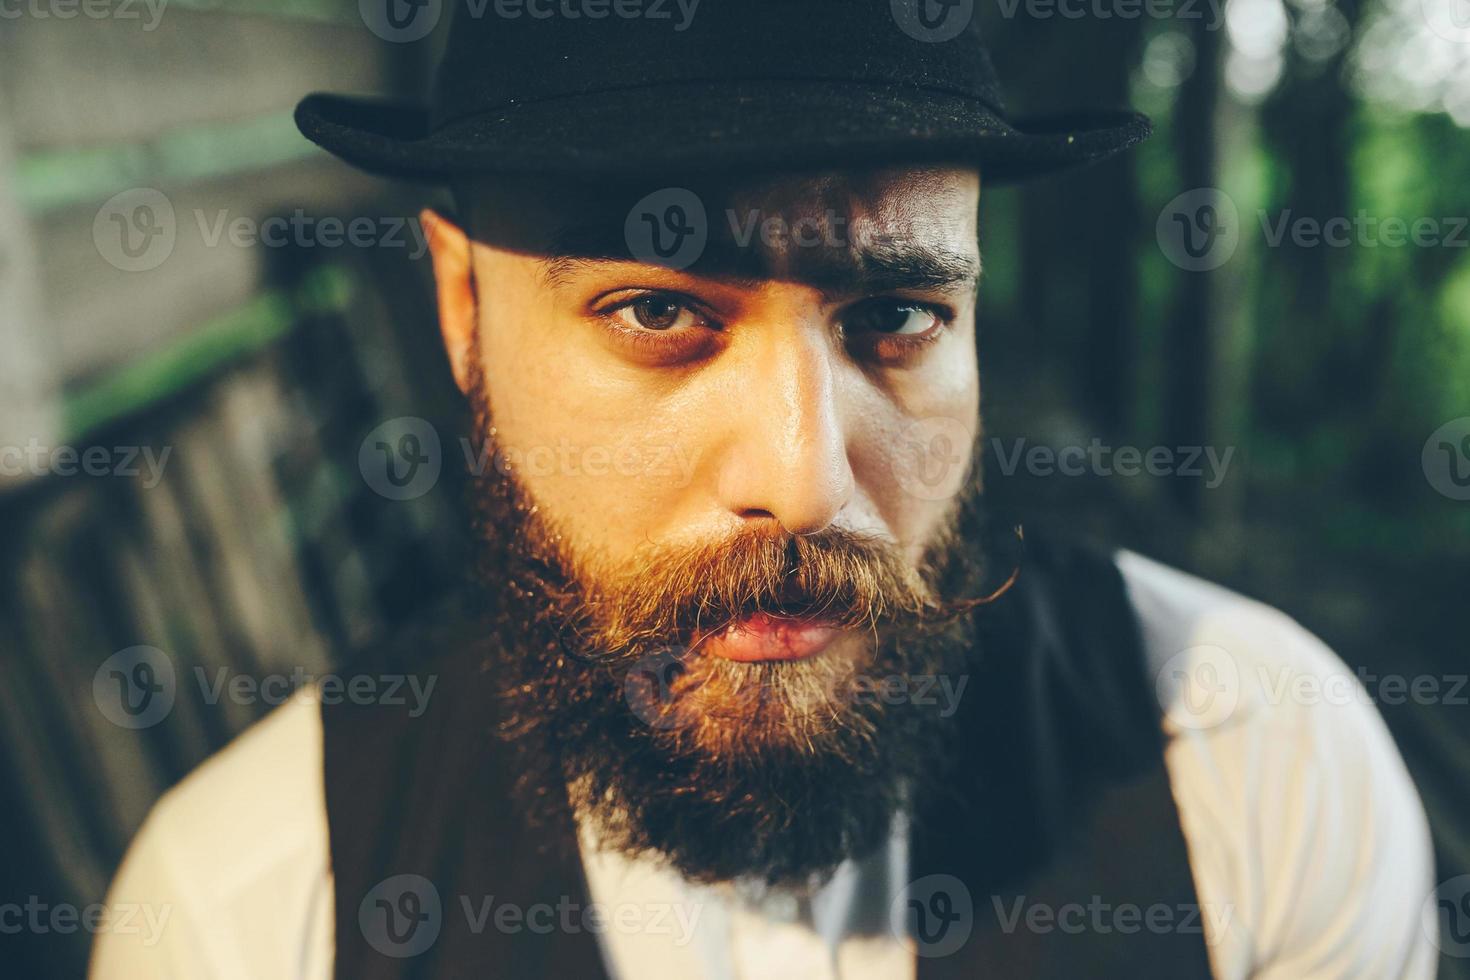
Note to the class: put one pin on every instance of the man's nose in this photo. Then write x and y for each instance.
(789, 457)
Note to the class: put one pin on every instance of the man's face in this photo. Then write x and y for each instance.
(642, 405)
(749, 466)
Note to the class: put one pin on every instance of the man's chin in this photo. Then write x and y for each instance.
(774, 770)
(783, 811)
(748, 707)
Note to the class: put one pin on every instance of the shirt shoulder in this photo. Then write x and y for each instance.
(1309, 845)
(232, 865)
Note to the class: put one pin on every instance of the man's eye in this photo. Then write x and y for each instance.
(660, 313)
(891, 317)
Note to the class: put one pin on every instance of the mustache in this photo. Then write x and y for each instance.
(669, 595)
(674, 597)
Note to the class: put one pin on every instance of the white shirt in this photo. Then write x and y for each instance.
(1309, 847)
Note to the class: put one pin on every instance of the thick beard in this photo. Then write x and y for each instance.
(772, 772)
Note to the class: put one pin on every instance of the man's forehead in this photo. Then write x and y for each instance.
(833, 229)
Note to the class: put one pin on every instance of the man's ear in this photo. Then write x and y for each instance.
(455, 286)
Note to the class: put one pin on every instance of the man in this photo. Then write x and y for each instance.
(746, 689)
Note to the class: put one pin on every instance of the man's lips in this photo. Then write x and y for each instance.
(761, 636)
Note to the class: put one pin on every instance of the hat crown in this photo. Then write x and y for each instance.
(502, 54)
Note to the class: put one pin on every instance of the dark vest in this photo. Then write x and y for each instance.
(1054, 845)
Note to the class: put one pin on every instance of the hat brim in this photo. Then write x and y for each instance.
(713, 127)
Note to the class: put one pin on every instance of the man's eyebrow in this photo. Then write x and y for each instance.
(871, 269)
(577, 245)
(907, 265)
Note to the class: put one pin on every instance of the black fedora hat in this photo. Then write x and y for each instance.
(606, 88)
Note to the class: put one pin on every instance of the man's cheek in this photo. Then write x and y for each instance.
(612, 489)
